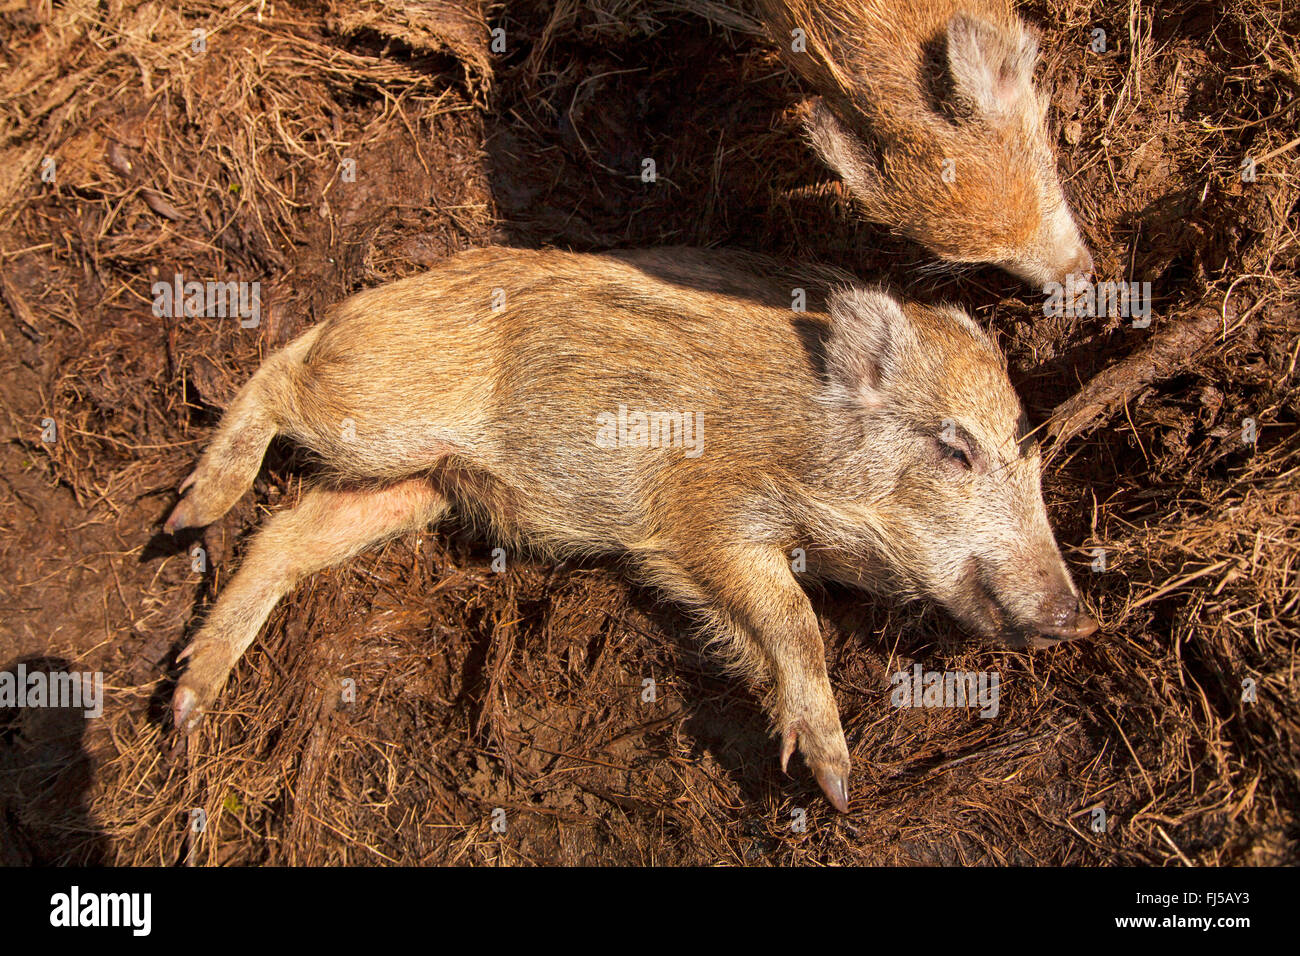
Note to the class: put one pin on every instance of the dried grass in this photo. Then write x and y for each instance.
(522, 690)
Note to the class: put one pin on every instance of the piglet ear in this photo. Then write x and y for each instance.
(870, 333)
(992, 69)
(843, 152)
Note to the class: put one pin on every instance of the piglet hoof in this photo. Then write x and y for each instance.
(828, 760)
(179, 519)
(836, 787)
(182, 515)
(788, 741)
(186, 710)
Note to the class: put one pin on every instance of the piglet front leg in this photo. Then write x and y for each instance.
(767, 628)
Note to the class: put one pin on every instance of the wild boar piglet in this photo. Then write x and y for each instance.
(671, 408)
(929, 113)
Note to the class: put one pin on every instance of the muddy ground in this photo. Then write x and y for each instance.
(523, 690)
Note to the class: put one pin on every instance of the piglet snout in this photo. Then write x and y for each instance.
(1063, 619)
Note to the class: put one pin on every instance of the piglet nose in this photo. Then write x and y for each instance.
(1064, 619)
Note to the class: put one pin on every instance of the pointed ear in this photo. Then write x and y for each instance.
(870, 334)
(842, 151)
(992, 70)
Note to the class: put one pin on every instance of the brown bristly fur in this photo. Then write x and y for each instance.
(929, 112)
(482, 384)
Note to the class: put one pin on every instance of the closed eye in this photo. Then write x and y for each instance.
(957, 445)
(955, 453)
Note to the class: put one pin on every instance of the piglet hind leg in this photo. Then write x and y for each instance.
(234, 456)
(325, 528)
(756, 608)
